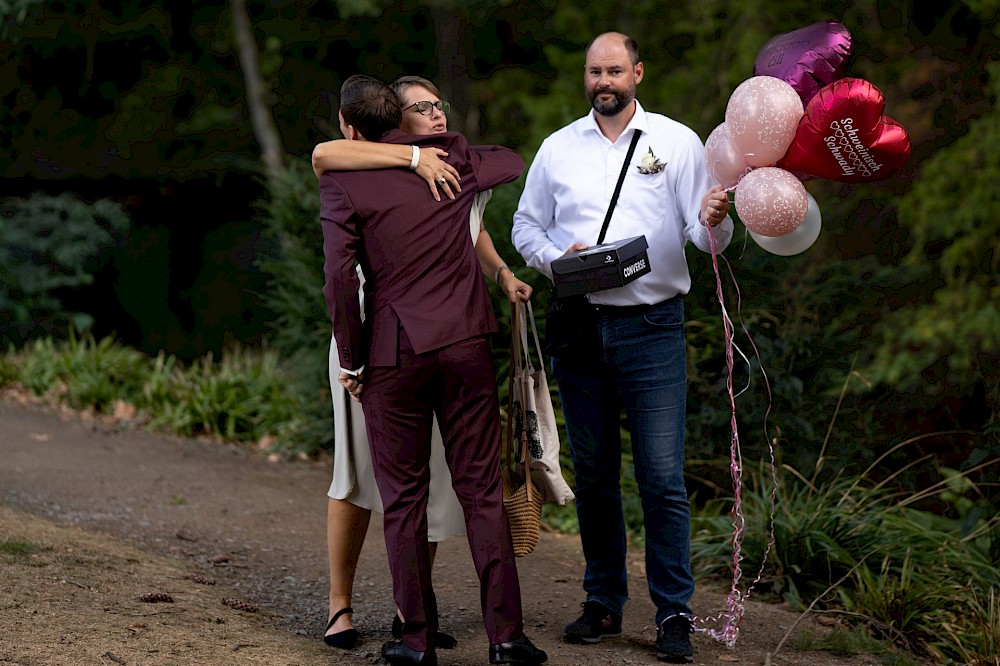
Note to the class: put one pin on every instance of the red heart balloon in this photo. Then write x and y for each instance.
(844, 136)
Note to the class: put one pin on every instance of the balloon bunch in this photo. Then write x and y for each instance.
(798, 118)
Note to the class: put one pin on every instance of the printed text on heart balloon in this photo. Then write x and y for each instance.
(854, 155)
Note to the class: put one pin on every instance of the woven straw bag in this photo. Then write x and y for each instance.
(522, 499)
(523, 504)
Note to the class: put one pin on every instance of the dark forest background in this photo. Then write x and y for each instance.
(155, 187)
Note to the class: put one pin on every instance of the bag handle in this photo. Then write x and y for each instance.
(618, 188)
(515, 357)
(525, 344)
(526, 348)
(516, 369)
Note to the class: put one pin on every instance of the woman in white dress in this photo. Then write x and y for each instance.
(353, 494)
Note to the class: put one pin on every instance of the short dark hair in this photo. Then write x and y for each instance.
(370, 106)
(630, 45)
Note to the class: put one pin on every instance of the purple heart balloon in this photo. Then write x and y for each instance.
(808, 58)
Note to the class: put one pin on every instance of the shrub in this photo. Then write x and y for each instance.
(300, 330)
(49, 245)
(244, 396)
(923, 581)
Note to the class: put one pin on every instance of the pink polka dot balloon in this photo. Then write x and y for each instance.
(771, 201)
(762, 116)
(725, 165)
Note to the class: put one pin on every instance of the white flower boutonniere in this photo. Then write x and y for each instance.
(650, 164)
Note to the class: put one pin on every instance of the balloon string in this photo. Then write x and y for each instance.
(732, 188)
(732, 617)
(770, 441)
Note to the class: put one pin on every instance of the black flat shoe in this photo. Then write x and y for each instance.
(441, 639)
(346, 639)
(398, 653)
(518, 651)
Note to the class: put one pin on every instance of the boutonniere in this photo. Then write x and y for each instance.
(650, 164)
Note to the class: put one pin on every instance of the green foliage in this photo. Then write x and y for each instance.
(293, 261)
(850, 642)
(352, 8)
(897, 600)
(953, 208)
(8, 371)
(48, 247)
(976, 640)
(948, 339)
(245, 396)
(19, 547)
(88, 374)
(920, 580)
(13, 12)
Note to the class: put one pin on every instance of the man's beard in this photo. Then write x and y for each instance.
(622, 98)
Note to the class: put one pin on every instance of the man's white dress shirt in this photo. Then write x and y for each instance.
(570, 184)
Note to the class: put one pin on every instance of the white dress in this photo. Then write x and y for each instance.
(353, 476)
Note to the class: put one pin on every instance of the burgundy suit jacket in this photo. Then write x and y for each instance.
(421, 270)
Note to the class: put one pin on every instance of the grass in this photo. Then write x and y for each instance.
(850, 642)
(981, 634)
(925, 583)
(19, 551)
(20, 548)
(245, 396)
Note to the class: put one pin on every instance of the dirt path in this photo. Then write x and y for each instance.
(99, 516)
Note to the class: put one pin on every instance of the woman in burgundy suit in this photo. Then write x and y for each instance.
(353, 494)
(420, 350)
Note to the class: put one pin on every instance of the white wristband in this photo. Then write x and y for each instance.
(415, 160)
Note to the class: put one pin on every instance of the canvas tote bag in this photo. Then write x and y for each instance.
(534, 414)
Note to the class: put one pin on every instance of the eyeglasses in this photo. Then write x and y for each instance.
(424, 107)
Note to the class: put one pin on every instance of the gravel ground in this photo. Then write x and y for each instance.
(117, 513)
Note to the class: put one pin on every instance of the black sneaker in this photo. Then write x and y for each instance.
(597, 622)
(673, 640)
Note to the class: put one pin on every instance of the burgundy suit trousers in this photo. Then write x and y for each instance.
(457, 383)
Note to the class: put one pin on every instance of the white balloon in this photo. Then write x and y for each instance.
(798, 240)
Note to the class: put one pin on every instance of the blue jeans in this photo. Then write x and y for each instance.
(635, 361)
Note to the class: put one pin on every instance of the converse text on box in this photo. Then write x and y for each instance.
(600, 267)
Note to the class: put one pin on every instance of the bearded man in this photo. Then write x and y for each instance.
(624, 347)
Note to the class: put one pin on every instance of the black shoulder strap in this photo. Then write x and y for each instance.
(618, 187)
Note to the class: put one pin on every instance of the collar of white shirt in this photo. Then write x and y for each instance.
(638, 121)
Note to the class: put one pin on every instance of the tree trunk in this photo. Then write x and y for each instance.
(453, 79)
(264, 127)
